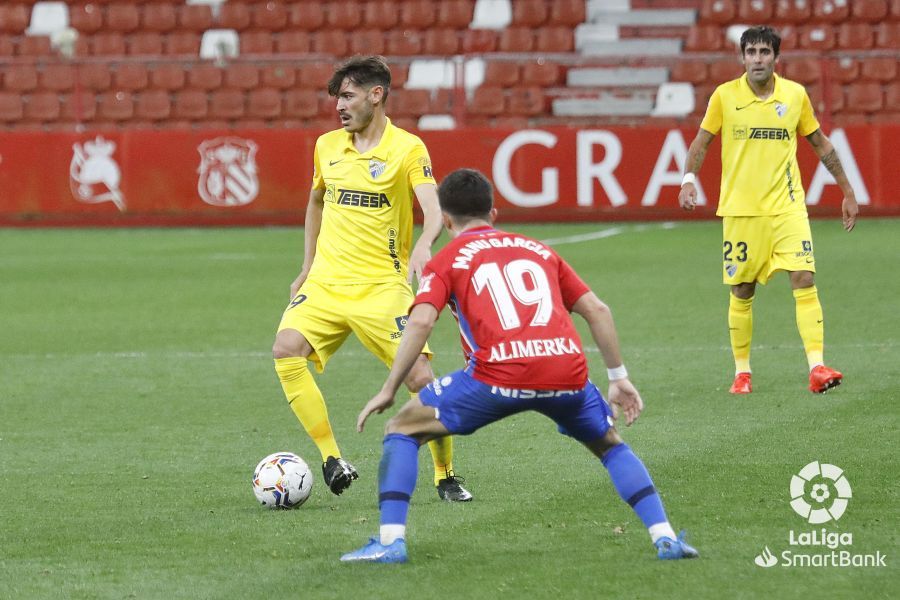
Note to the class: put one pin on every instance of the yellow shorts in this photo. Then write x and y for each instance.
(326, 314)
(754, 248)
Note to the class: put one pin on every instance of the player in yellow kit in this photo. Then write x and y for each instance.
(762, 203)
(360, 259)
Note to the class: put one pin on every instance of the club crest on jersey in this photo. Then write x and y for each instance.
(228, 172)
(780, 109)
(376, 168)
(94, 175)
(731, 269)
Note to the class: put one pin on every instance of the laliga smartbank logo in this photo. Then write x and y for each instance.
(820, 493)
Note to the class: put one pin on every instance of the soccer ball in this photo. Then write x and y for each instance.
(282, 480)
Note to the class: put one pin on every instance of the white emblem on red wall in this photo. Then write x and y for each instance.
(228, 172)
(94, 175)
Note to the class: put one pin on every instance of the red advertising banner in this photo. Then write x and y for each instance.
(263, 176)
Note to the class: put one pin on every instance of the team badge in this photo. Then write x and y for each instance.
(376, 168)
(228, 172)
(780, 109)
(94, 175)
(731, 269)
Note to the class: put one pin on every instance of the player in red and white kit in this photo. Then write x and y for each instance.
(511, 296)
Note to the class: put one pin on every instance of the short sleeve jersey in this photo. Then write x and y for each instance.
(511, 296)
(760, 175)
(367, 218)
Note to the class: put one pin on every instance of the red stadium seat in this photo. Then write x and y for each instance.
(7, 45)
(501, 73)
(153, 105)
(233, 15)
(34, 45)
(567, 12)
(404, 42)
(343, 15)
(817, 37)
(256, 42)
(722, 12)
(169, 77)
(441, 42)
(790, 37)
(755, 11)
(690, 71)
(835, 98)
(116, 106)
(293, 42)
(399, 75)
(864, 97)
(159, 17)
(79, 107)
(555, 39)
(887, 35)
(477, 41)
(792, 11)
(308, 16)
(191, 105)
(541, 73)
(442, 101)
(381, 14)
(516, 39)
(300, 104)
(20, 77)
(269, 16)
(122, 17)
(487, 101)
(264, 103)
(94, 76)
(417, 14)
(704, 38)
(130, 76)
(13, 19)
(241, 76)
(107, 44)
(57, 77)
(526, 101)
(315, 75)
(330, 41)
(844, 69)
(10, 107)
(892, 96)
(725, 70)
(410, 103)
(145, 43)
(455, 13)
(226, 104)
(881, 68)
(529, 13)
(195, 17)
(42, 107)
(870, 11)
(855, 36)
(204, 76)
(803, 70)
(895, 9)
(366, 41)
(830, 11)
(182, 43)
(278, 76)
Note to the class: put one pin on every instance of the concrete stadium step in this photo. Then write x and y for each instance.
(598, 77)
(604, 105)
(627, 47)
(600, 12)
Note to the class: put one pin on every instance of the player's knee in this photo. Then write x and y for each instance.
(802, 279)
(290, 344)
(607, 442)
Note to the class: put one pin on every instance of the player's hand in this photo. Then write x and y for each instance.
(623, 394)
(419, 257)
(295, 286)
(849, 211)
(687, 197)
(378, 404)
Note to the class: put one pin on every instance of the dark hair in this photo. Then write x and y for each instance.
(466, 193)
(761, 35)
(364, 71)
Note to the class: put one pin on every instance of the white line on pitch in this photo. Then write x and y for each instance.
(605, 233)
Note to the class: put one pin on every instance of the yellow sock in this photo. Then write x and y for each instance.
(307, 403)
(810, 324)
(441, 454)
(740, 328)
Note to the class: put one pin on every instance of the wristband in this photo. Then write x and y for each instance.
(618, 373)
(689, 178)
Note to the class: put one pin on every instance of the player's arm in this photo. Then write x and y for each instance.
(426, 194)
(599, 318)
(687, 197)
(418, 327)
(311, 227)
(824, 149)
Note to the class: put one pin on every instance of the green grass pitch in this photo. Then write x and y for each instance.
(138, 393)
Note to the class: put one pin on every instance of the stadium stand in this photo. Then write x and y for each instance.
(535, 62)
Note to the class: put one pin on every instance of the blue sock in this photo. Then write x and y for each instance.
(632, 481)
(397, 474)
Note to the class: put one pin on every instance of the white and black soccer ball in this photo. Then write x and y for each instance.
(282, 480)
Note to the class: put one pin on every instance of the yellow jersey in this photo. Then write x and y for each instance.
(760, 175)
(367, 218)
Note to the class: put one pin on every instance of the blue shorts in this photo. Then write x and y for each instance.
(465, 405)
